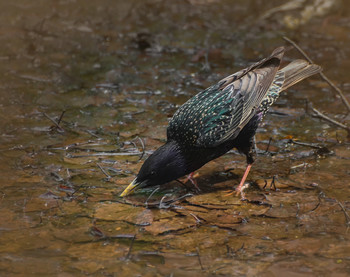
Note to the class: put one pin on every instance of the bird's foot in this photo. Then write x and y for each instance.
(191, 177)
(238, 191)
(229, 192)
(242, 186)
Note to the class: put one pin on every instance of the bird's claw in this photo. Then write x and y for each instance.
(238, 191)
(229, 193)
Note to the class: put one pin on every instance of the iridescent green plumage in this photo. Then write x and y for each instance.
(221, 111)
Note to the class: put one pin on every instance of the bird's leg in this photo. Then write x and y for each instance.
(250, 160)
(239, 188)
(193, 181)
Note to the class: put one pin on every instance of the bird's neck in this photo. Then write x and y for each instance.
(183, 155)
(192, 157)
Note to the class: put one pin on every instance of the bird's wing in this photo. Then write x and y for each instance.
(222, 110)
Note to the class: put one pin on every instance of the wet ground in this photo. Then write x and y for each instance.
(115, 72)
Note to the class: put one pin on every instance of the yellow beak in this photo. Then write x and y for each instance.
(130, 188)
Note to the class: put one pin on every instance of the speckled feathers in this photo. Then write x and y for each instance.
(219, 113)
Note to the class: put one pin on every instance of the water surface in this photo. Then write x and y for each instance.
(118, 70)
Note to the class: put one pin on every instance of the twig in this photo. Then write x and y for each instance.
(298, 210)
(265, 184)
(149, 197)
(60, 118)
(107, 85)
(92, 134)
(57, 177)
(53, 121)
(241, 249)
(107, 238)
(268, 145)
(122, 236)
(104, 172)
(199, 259)
(304, 165)
(231, 252)
(317, 205)
(36, 79)
(347, 217)
(272, 184)
(324, 77)
(130, 248)
(312, 145)
(105, 154)
(68, 173)
(223, 208)
(75, 146)
(196, 218)
(143, 148)
(96, 232)
(320, 196)
(162, 204)
(333, 121)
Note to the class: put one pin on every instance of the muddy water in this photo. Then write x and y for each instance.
(119, 70)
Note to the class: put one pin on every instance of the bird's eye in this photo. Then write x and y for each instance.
(153, 172)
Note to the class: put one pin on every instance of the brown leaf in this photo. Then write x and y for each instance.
(169, 225)
(122, 212)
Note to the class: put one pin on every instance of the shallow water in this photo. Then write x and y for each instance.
(119, 70)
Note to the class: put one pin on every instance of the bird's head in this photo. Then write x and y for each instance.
(164, 165)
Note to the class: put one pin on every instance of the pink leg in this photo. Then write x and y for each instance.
(193, 181)
(239, 188)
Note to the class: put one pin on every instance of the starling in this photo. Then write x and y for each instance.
(221, 117)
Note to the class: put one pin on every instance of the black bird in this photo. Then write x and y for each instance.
(221, 117)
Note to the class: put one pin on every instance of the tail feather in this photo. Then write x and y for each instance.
(297, 71)
(286, 77)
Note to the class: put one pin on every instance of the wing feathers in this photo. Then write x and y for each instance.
(277, 54)
(221, 111)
